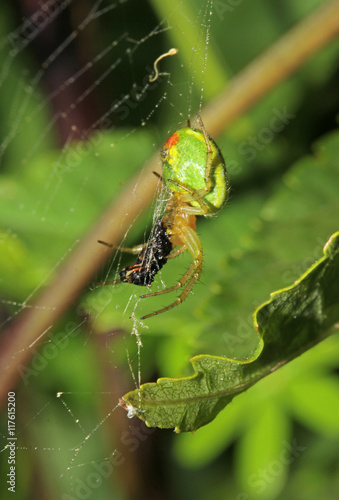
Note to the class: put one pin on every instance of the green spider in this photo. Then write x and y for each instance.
(195, 176)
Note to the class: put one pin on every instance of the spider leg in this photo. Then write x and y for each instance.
(135, 250)
(176, 252)
(104, 283)
(208, 167)
(193, 195)
(192, 243)
(158, 175)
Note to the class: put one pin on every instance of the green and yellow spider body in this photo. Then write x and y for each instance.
(184, 166)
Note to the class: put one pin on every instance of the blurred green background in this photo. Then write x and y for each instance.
(75, 125)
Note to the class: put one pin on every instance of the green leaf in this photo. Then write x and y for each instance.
(293, 320)
(315, 402)
(263, 454)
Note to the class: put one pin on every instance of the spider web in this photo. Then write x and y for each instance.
(64, 87)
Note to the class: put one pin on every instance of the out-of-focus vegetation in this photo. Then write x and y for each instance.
(278, 440)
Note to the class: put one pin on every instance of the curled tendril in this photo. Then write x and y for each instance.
(171, 52)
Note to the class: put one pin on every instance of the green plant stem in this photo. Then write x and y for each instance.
(255, 81)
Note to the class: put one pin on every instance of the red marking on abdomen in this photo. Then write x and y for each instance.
(172, 141)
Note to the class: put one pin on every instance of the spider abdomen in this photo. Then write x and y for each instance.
(184, 164)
